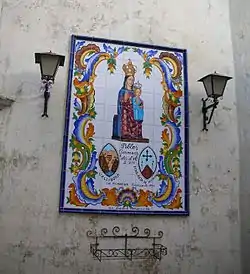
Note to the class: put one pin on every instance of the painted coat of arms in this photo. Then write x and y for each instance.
(126, 131)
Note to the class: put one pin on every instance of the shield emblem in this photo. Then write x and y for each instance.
(108, 160)
(147, 162)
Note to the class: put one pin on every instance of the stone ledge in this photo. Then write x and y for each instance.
(5, 102)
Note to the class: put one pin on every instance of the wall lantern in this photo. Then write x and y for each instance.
(49, 63)
(215, 85)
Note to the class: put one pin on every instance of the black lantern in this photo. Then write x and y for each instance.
(215, 85)
(49, 63)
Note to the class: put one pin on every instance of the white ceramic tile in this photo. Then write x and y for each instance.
(99, 143)
(157, 101)
(100, 110)
(157, 116)
(148, 100)
(157, 133)
(100, 95)
(100, 80)
(148, 117)
(103, 129)
(110, 112)
(157, 147)
(147, 132)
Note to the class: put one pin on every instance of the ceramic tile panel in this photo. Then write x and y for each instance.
(125, 150)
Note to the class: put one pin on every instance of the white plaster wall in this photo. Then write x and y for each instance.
(240, 22)
(34, 238)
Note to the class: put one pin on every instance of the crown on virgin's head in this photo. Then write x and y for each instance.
(137, 85)
(129, 69)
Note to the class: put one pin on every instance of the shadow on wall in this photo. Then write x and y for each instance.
(25, 90)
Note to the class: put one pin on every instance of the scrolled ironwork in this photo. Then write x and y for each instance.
(155, 251)
(104, 232)
(160, 234)
(98, 255)
(91, 233)
(164, 251)
(116, 230)
(135, 231)
(111, 252)
(147, 232)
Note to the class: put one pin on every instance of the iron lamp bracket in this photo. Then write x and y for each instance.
(46, 89)
(207, 119)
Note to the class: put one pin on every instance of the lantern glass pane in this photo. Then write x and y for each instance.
(207, 82)
(219, 83)
(49, 65)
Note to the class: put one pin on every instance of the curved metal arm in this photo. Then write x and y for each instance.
(46, 92)
(206, 119)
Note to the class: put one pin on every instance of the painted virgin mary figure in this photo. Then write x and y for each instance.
(126, 126)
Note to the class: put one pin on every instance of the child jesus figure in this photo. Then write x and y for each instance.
(137, 103)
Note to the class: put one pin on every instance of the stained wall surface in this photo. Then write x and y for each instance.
(240, 21)
(35, 238)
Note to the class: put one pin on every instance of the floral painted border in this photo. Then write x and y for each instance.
(85, 58)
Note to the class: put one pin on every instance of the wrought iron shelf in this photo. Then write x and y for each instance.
(156, 251)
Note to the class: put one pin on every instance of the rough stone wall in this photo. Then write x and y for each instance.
(240, 21)
(34, 238)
